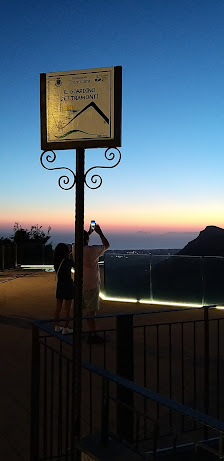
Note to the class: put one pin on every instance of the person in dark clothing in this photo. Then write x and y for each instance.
(65, 286)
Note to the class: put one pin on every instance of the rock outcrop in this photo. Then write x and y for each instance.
(210, 242)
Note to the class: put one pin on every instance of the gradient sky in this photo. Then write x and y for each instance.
(169, 184)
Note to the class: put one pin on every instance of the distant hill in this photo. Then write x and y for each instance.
(210, 242)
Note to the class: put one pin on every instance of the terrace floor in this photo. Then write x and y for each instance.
(23, 299)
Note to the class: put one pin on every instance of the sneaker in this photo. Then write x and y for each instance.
(95, 339)
(67, 331)
(58, 329)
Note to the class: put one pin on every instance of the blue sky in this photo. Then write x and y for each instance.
(169, 184)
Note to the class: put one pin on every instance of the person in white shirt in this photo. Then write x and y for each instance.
(91, 278)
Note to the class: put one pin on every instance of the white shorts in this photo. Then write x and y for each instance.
(91, 299)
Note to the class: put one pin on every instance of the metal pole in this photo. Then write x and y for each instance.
(77, 318)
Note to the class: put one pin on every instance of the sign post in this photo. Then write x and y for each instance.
(80, 109)
(77, 315)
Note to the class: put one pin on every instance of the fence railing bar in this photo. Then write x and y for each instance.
(157, 366)
(194, 368)
(182, 369)
(162, 400)
(90, 391)
(45, 388)
(206, 366)
(170, 369)
(51, 348)
(145, 376)
(35, 395)
(217, 368)
(105, 411)
(67, 408)
(52, 403)
(59, 405)
(43, 323)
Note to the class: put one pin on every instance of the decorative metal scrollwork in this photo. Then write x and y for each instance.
(96, 178)
(64, 180)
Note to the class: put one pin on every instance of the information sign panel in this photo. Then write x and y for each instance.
(81, 108)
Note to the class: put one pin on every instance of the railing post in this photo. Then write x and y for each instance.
(206, 363)
(35, 392)
(43, 259)
(105, 411)
(150, 279)
(16, 262)
(124, 351)
(3, 257)
(203, 280)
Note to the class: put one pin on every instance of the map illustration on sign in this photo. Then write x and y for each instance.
(91, 104)
(80, 105)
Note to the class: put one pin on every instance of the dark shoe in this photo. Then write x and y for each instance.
(95, 339)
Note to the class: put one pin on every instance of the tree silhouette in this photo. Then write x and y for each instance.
(5, 241)
(35, 235)
(23, 236)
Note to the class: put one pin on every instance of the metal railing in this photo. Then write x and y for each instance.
(175, 364)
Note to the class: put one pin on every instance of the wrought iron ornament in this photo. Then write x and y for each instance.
(95, 179)
(66, 180)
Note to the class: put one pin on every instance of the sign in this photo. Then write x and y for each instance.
(81, 108)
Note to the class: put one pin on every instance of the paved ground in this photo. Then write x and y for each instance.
(20, 301)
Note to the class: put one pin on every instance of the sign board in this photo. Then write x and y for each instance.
(81, 108)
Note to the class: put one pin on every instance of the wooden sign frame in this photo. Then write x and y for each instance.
(81, 108)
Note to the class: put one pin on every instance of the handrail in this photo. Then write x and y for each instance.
(39, 323)
(162, 400)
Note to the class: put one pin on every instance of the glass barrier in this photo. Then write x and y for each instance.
(7, 257)
(34, 254)
(126, 276)
(171, 278)
(177, 279)
(12, 256)
(196, 280)
(213, 278)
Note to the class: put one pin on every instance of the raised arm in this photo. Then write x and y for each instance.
(102, 236)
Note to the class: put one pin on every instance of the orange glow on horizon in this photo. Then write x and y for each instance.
(155, 220)
(111, 227)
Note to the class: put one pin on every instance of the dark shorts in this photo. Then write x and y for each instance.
(65, 291)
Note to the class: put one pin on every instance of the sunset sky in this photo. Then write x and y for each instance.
(169, 184)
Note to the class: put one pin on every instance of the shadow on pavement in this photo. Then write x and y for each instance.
(20, 322)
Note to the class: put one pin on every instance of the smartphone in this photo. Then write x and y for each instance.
(92, 224)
